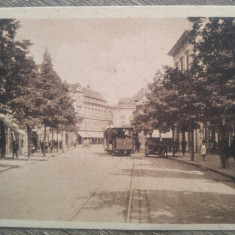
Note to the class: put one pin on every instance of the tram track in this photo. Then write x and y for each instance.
(138, 209)
(94, 192)
(128, 214)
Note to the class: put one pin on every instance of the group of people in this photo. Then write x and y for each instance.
(183, 145)
(50, 145)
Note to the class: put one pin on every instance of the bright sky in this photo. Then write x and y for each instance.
(113, 56)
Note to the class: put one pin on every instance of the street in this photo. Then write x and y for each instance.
(90, 185)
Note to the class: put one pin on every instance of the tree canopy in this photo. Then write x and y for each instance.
(31, 94)
(205, 90)
(213, 40)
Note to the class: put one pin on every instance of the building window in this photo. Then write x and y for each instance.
(177, 65)
(182, 64)
(187, 61)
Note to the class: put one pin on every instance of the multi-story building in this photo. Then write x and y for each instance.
(182, 53)
(123, 111)
(93, 113)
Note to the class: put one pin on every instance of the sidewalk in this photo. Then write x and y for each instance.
(212, 163)
(8, 162)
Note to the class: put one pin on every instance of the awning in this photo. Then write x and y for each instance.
(91, 134)
(155, 134)
(83, 134)
(95, 134)
(10, 122)
(167, 135)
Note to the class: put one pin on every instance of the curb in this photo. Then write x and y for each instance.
(48, 155)
(205, 167)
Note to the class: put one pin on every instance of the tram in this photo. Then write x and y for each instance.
(119, 140)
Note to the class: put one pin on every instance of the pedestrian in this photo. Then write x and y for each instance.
(138, 146)
(177, 143)
(183, 144)
(51, 143)
(232, 148)
(41, 145)
(203, 150)
(15, 148)
(224, 153)
(47, 145)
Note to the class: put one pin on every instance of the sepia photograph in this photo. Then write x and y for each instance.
(117, 119)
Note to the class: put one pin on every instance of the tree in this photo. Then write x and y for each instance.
(7, 45)
(55, 104)
(16, 72)
(185, 105)
(213, 66)
(172, 101)
(24, 96)
(214, 69)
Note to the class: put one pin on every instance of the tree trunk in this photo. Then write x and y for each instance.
(173, 136)
(223, 148)
(183, 133)
(44, 140)
(52, 142)
(57, 132)
(29, 138)
(3, 140)
(192, 143)
(62, 139)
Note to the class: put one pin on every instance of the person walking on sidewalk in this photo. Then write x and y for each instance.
(15, 148)
(232, 148)
(224, 152)
(203, 150)
(183, 144)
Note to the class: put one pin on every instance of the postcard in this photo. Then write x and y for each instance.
(117, 117)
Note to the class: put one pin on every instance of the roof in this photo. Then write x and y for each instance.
(73, 87)
(92, 94)
(184, 37)
(125, 100)
(139, 96)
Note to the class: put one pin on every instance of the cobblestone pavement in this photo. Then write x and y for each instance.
(91, 185)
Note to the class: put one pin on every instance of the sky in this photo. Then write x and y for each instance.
(116, 57)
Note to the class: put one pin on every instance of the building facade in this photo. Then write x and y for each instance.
(123, 111)
(182, 53)
(93, 113)
(210, 131)
(9, 132)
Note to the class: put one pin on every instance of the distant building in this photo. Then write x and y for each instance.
(93, 113)
(123, 111)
